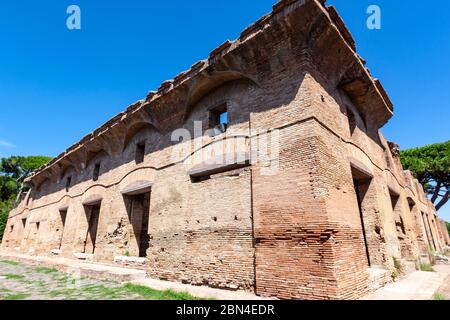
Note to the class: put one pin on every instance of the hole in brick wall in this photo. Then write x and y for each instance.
(215, 219)
(140, 152)
(96, 172)
(200, 179)
(236, 218)
(351, 121)
(322, 98)
(68, 183)
(378, 230)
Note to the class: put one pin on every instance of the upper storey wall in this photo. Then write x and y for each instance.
(264, 71)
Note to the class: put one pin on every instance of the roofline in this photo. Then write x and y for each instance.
(215, 55)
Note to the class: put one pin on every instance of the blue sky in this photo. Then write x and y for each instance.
(58, 85)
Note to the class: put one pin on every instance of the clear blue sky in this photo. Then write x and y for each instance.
(58, 85)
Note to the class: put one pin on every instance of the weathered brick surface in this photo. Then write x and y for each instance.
(302, 104)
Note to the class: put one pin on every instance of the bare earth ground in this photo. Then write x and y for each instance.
(19, 281)
(445, 289)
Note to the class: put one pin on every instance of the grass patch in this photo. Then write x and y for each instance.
(426, 267)
(12, 263)
(17, 296)
(46, 270)
(90, 292)
(66, 293)
(152, 294)
(439, 296)
(11, 276)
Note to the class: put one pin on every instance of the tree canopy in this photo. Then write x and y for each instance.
(431, 166)
(11, 169)
(17, 166)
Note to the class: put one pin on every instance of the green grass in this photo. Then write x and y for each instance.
(12, 263)
(16, 296)
(97, 291)
(102, 292)
(426, 267)
(11, 276)
(152, 294)
(439, 296)
(46, 270)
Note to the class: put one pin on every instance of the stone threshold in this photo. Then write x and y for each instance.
(122, 275)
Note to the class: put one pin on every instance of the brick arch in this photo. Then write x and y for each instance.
(207, 84)
(91, 155)
(134, 130)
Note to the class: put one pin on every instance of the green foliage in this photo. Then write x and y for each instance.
(448, 226)
(431, 166)
(8, 188)
(426, 267)
(17, 296)
(46, 270)
(12, 263)
(11, 169)
(4, 211)
(438, 296)
(11, 276)
(152, 294)
(398, 265)
(18, 166)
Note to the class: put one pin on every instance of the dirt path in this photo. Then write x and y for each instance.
(20, 281)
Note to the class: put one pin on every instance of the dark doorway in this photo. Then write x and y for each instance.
(92, 216)
(361, 182)
(138, 209)
(63, 216)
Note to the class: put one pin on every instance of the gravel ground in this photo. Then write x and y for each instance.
(444, 292)
(19, 281)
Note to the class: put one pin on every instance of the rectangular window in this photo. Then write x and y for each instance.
(24, 222)
(12, 228)
(218, 118)
(68, 183)
(96, 172)
(140, 153)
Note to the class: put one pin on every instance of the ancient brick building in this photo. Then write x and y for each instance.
(289, 190)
